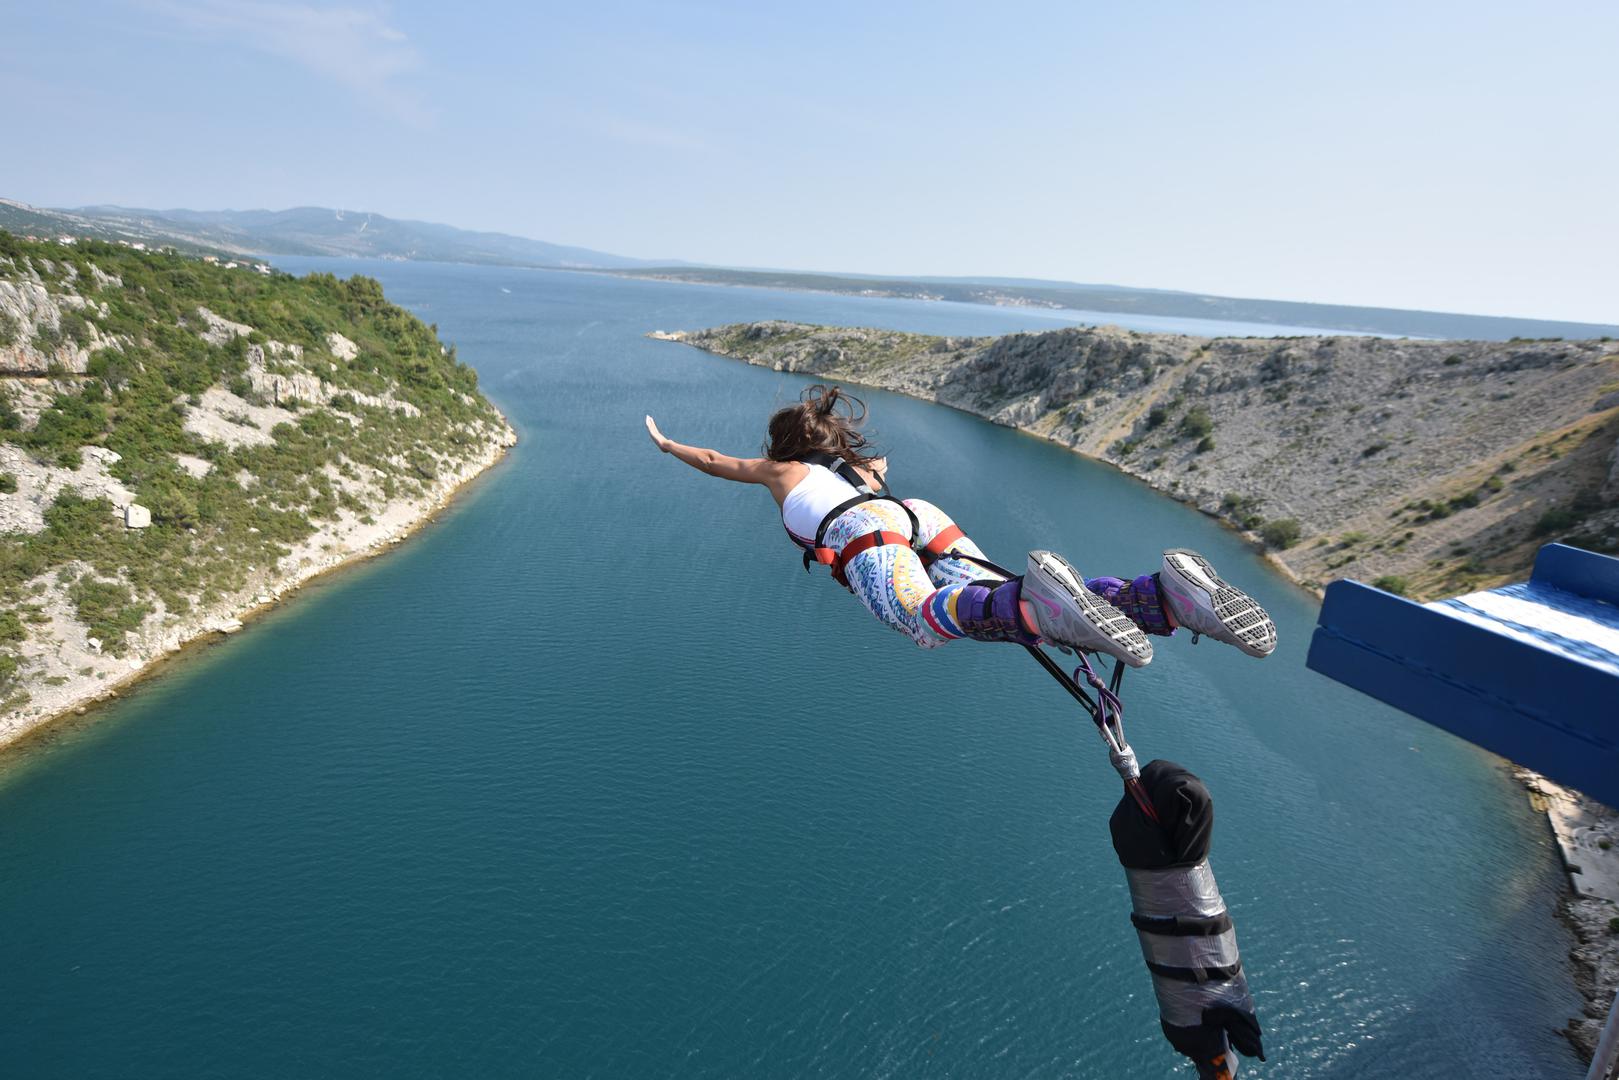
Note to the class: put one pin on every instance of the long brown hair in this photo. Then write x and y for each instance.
(825, 420)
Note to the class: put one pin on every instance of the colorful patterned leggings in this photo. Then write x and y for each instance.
(920, 601)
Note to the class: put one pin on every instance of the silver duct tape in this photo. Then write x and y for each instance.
(1182, 1003)
(1190, 952)
(1179, 890)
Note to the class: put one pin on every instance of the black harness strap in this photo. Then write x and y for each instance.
(844, 471)
(863, 494)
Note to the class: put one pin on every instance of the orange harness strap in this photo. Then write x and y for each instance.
(939, 546)
(864, 542)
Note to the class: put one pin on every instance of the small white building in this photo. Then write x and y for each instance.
(137, 516)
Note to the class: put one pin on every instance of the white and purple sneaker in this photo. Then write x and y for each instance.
(1198, 600)
(1069, 614)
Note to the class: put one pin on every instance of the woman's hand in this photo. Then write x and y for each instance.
(658, 438)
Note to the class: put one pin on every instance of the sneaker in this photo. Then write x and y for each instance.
(1204, 604)
(1067, 613)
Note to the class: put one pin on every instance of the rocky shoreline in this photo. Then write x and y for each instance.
(1587, 837)
(97, 679)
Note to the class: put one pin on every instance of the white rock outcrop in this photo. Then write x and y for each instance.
(341, 347)
(217, 330)
(39, 483)
(25, 308)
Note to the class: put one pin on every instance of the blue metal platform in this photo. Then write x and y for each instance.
(1527, 671)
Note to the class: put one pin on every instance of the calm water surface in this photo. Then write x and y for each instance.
(589, 779)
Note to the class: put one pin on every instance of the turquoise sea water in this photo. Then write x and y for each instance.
(590, 779)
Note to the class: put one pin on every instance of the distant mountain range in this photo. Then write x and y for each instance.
(306, 230)
(314, 230)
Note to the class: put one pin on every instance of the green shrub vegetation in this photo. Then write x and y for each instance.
(1282, 533)
(1197, 423)
(1560, 519)
(209, 533)
(108, 609)
(75, 328)
(8, 483)
(1392, 583)
(47, 338)
(1244, 510)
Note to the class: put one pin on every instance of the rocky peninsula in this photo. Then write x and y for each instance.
(184, 441)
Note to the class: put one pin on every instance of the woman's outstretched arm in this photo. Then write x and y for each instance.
(742, 470)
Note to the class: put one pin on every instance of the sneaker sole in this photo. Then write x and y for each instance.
(1116, 635)
(1241, 615)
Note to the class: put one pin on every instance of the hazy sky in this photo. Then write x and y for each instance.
(1458, 156)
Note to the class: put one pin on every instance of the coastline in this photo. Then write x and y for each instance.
(339, 544)
(1580, 827)
(1577, 825)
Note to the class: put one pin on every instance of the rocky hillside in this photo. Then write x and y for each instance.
(181, 442)
(1429, 467)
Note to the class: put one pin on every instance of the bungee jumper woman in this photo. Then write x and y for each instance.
(917, 572)
(914, 569)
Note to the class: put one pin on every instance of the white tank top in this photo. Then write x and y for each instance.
(811, 499)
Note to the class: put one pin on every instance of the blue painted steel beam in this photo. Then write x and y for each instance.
(1550, 704)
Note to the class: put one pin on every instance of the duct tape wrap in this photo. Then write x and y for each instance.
(1187, 941)
(1124, 762)
(1186, 935)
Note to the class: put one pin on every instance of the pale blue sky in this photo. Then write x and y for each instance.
(1458, 156)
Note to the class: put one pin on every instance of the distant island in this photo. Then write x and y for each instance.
(313, 230)
(1426, 467)
(183, 441)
